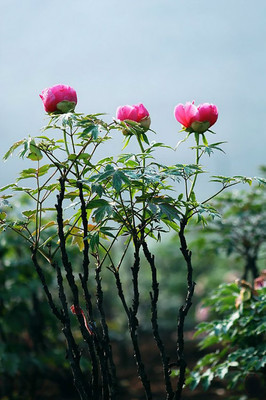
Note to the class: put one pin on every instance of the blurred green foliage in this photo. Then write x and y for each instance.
(241, 232)
(31, 344)
(238, 327)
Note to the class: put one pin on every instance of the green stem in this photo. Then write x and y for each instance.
(196, 173)
(74, 151)
(140, 144)
(143, 186)
(65, 140)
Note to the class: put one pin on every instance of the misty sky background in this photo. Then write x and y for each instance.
(157, 52)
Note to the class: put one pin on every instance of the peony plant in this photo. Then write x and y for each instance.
(238, 333)
(128, 198)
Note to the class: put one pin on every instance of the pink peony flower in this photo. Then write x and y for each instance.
(59, 98)
(196, 119)
(137, 113)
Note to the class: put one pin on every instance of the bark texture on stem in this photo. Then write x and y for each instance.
(183, 310)
(154, 320)
(131, 313)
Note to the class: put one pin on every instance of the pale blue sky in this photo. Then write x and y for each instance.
(158, 52)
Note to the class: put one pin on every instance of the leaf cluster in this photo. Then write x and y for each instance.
(238, 334)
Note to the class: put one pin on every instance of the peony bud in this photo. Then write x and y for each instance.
(196, 119)
(137, 113)
(59, 98)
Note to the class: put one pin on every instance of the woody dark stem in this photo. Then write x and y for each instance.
(183, 310)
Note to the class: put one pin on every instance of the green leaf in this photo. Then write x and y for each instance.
(82, 156)
(28, 173)
(209, 341)
(170, 211)
(97, 203)
(193, 380)
(205, 141)
(196, 135)
(29, 213)
(152, 207)
(96, 188)
(44, 169)
(11, 185)
(47, 225)
(2, 215)
(106, 231)
(173, 225)
(101, 212)
(127, 140)
(117, 181)
(124, 177)
(35, 153)
(13, 148)
(94, 241)
(145, 138)
(72, 157)
(108, 172)
(207, 379)
(222, 371)
(91, 130)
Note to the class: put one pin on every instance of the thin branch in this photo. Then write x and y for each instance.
(85, 390)
(154, 319)
(183, 310)
(132, 318)
(72, 284)
(106, 339)
(39, 271)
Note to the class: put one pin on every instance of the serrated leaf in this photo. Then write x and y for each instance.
(169, 211)
(102, 176)
(97, 188)
(101, 212)
(97, 203)
(11, 185)
(106, 232)
(35, 153)
(29, 213)
(44, 169)
(27, 173)
(13, 148)
(173, 225)
(77, 237)
(47, 225)
(152, 207)
(117, 181)
(94, 241)
(91, 130)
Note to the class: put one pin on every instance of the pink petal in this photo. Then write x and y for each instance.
(127, 112)
(208, 112)
(186, 114)
(142, 112)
